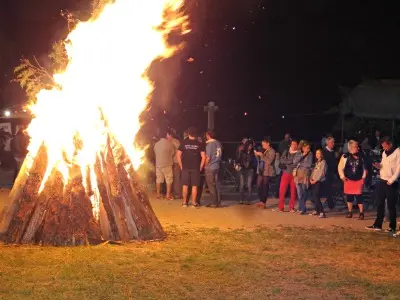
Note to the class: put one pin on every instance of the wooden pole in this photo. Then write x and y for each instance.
(211, 109)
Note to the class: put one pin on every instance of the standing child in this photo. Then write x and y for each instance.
(318, 176)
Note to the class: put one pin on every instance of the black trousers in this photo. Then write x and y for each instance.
(263, 187)
(328, 189)
(316, 195)
(388, 193)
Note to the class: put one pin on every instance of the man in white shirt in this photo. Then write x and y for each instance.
(388, 185)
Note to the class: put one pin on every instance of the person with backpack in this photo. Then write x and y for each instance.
(245, 167)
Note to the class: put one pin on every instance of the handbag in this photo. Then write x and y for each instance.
(296, 169)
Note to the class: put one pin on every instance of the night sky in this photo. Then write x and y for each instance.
(258, 60)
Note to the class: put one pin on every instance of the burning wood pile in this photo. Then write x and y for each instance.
(78, 184)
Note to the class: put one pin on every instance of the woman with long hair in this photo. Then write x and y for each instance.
(301, 173)
(245, 160)
(353, 172)
(318, 176)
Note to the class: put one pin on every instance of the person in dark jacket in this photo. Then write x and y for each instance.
(267, 155)
(331, 174)
(245, 160)
(284, 144)
(286, 164)
(353, 172)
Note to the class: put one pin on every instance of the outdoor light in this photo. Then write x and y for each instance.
(283, 117)
(7, 113)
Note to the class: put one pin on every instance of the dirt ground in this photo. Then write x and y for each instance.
(235, 216)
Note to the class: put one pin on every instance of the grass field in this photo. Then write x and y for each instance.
(280, 263)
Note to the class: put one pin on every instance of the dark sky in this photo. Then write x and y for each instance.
(263, 58)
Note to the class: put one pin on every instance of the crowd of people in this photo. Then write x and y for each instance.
(183, 164)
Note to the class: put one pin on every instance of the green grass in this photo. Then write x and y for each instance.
(281, 263)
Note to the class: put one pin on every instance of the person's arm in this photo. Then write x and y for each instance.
(208, 154)
(283, 159)
(397, 172)
(365, 169)
(203, 160)
(179, 158)
(341, 166)
(324, 169)
(297, 158)
(319, 173)
(307, 162)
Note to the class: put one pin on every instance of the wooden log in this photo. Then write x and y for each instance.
(62, 214)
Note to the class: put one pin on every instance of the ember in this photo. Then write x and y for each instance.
(78, 183)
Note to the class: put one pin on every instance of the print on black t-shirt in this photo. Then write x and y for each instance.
(191, 156)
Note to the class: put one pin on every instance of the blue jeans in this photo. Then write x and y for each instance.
(246, 178)
(302, 196)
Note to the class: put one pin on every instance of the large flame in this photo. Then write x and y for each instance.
(104, 89)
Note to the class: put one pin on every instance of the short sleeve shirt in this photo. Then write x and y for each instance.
(165, 151)
(214, 153)
(191, 154)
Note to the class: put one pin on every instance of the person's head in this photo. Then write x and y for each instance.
(294, 146)
(386, 143)
(287, 137)
(248, 146)
(306, 147)
(301, 143)
(266, 144)
(210, 135)
(251, 144)
(353, 146)
(192, 133)
(244, 140)
(377, 132)
(330, 142)
(165, 134)
(319, 155)
(366, 139)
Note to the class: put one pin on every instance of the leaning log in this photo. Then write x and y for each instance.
(62, 213)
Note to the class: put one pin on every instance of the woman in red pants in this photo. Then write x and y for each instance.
(286, 165)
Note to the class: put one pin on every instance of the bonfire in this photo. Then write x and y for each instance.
(78, 184)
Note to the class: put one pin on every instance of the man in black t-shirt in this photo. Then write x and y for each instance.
(191, 159)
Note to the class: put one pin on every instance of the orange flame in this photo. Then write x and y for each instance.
(104, 88)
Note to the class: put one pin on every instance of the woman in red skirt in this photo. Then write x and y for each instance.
(353, 172)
